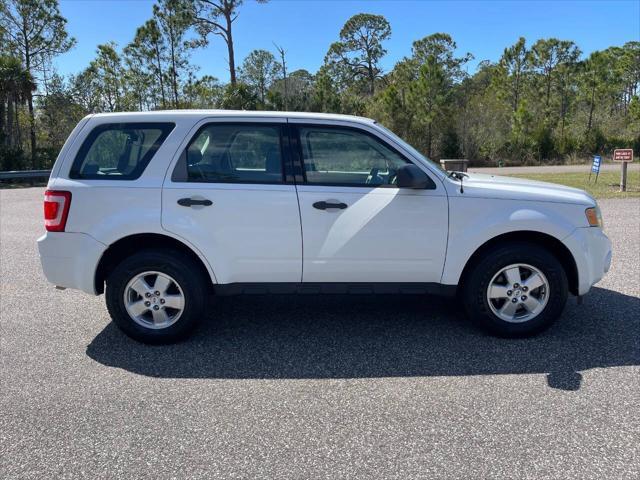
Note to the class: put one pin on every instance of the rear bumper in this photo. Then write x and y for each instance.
(70, 259)
(591, 250)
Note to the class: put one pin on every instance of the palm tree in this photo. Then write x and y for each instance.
(16, 87)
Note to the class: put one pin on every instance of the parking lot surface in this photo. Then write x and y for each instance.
(316, 387)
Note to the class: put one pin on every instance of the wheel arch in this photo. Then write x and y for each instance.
(126, 246)
(549, 242)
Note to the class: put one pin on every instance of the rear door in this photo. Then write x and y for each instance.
(358, 226)
(228, 196)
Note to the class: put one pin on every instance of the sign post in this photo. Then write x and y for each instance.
(624, 155)
(595, 167)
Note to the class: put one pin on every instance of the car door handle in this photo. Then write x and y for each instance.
(326, 205)
(190, 202)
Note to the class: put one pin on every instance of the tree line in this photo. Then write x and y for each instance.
(541, 102)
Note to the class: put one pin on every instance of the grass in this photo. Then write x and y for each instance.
(607, 186)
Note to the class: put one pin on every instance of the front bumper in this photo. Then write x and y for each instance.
(70, 259)
(591, 249)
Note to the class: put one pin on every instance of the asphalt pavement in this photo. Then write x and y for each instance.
(315, 387)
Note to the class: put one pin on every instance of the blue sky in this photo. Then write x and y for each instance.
(306, 28)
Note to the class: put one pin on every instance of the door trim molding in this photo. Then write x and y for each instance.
(335, 288)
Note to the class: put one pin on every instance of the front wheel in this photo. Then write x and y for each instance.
(156, 296)
(516, 290)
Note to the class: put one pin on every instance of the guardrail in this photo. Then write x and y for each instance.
(24, 174)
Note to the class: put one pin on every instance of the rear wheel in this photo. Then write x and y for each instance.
(515, 290)
(156, 296)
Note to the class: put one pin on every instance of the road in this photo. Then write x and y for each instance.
(305, 387)
(605, 167)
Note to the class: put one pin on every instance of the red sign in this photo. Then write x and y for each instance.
(623, 155)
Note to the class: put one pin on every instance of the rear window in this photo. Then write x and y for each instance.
(119, 151)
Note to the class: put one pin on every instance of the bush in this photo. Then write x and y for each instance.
(544, 143)
(239, 97)
(594, 141)
(450, 144)
(45, 157)
(12, 159)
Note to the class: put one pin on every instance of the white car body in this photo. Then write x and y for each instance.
(271, 234)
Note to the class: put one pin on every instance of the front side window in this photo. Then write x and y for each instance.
(223, 153)
(342, 156)
(119, 151)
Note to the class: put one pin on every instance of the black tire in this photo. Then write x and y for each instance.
(183, 269)
(476, 283)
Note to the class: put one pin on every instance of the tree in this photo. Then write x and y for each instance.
(596, 84)
(138, 80)
(627, 68)
(259, 70)
(59, 113)
(16, 85)
(534, 103)
(439, 70)
(36, 32)
(300, 84)
(174, 18)
(567, 72)
(238, 97)
(547, 55)
(514, 67)
(325, 96)
(108, 73)
(358, 52)
(429, 93)
(441, 48)
(395, 103)
(483, 120)
(217, 17)
(205, 92)
(283, 69)
(150, 52)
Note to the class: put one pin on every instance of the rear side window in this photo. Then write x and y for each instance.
(226, 153)
(119, 151)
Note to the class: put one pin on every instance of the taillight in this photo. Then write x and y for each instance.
(56, 210)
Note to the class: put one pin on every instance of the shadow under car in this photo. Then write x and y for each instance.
(337, 336)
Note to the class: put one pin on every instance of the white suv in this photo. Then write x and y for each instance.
(167, 207)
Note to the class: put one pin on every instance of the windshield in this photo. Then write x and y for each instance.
(408, 146)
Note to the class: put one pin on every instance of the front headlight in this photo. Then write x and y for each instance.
(594, 216)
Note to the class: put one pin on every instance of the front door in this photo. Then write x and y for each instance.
(228, 197)
(357, 225)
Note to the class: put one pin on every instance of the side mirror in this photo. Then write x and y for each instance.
(410, 176)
